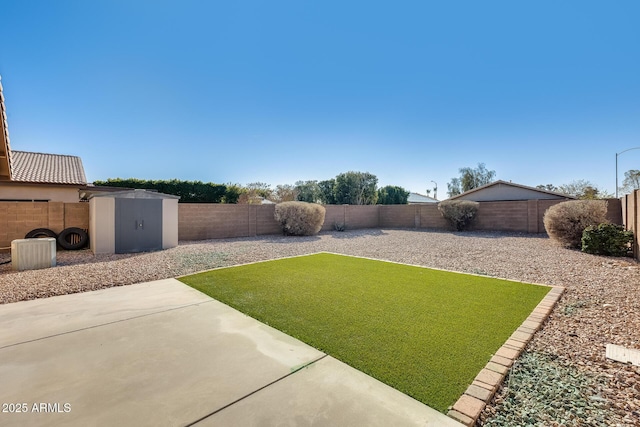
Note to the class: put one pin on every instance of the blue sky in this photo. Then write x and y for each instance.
(279, 91)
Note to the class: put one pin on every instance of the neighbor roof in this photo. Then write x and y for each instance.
(420, 198)
(492, 193)
(5, 148)
(47, 168)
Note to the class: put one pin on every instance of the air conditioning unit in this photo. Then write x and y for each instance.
(32, 254)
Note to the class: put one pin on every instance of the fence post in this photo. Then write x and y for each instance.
(635, 220)
(532, 216)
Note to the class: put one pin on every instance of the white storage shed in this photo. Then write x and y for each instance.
(132, 221)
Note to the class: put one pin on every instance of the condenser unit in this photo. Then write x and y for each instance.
(32, 254)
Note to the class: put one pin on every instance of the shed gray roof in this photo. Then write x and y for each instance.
(135, 194)
(47, 168)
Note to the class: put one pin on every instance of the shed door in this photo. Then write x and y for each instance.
(138, 225)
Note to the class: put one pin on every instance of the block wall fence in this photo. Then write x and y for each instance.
(214, 221)
(631, 218)
(18, 218)
(218, 221)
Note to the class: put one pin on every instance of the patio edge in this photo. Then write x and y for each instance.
(471, 404)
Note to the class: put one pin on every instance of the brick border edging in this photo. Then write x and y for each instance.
(469, 406)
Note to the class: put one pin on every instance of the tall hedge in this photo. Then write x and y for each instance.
(189, 191)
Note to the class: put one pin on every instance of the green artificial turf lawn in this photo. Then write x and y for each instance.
(424, 332)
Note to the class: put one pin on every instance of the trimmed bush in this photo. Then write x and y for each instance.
(300, 218)
(459, 213)
(566, 221)
(607, 239)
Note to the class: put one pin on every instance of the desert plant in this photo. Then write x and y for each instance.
(300, 218)
(339, 226)
(566, 221)
(607, 239)
(459, 213)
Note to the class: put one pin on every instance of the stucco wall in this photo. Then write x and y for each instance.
(45, 192)
(504, 192)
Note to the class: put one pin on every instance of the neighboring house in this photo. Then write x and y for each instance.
(417, 198)
(26, 176)
(508, 191)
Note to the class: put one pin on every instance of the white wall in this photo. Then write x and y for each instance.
(102, 225)
(169, 223)
(29, 192)
(506, 192)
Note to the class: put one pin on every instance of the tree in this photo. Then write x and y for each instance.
(583, 189)
(327, 193)
(392, 195)
(548, 187)
(254, 193)
(470, 179)
(308, 191)
(284, 193)
(233, 193)
(356, 188)
(631, 181)
(454, 187)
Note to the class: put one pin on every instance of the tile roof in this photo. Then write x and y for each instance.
(47, 168)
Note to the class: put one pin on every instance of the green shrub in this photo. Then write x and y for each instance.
(607, 239)
(300, 218)
(459, 213)
(392, 195)
(566, 221)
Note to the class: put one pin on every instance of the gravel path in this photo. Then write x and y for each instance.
(563, 378)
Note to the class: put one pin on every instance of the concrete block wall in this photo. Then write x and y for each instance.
(211, 221)
(335, 214)
(76, 215)
(614, 211)
(367, 216)
(400, 216)
(430, 217)
(201, 221)
(631, 214)
(215, 221)
(502, 216)
(18, 218)
(265, 224)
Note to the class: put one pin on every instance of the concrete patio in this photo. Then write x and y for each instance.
(163, 354)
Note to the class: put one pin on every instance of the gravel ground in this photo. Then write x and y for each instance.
(563, 378)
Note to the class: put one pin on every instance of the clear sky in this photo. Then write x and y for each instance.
(542, 92)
